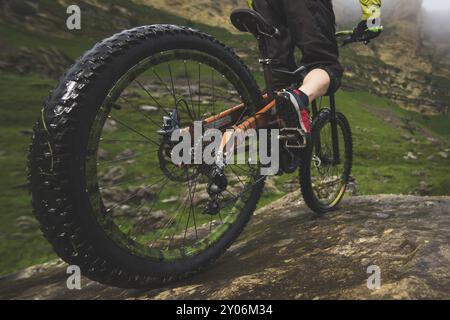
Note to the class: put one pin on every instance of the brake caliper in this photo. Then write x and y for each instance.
(170, 124)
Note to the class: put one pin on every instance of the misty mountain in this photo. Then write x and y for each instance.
(409, 63)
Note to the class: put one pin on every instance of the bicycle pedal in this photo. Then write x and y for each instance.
(293, 138)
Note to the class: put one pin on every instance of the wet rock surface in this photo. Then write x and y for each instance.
(287, 252)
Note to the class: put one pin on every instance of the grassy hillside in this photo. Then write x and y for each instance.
(384, 134)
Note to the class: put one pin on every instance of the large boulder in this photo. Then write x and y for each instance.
(287, 252)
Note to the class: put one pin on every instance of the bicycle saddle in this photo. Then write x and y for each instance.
(247, 20)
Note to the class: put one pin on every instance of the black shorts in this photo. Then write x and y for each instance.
(308, 25)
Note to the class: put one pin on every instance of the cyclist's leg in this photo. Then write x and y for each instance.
(281, 49)
(316, 84)
(312, 25)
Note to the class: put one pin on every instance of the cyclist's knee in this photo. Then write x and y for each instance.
(335, 72)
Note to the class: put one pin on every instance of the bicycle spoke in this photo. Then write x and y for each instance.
(191, 210)
(134, 130)
(199, 89)
(163, 220)
(237, 176)
(109, 141)
(165, 85)
(180, 210)
(127, 158)
(151, 96)
(246, 189)
(232, 194)
(134, 195)
(142, 113)
(190, 91)
(131, 181)
(212, 94)
(171, 81)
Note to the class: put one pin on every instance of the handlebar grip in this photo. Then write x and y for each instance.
(344, 33)
(378, 29)
(348, 36)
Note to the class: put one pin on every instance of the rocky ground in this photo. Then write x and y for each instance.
(286, 252)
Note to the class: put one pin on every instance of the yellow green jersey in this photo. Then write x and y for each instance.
(371, 9)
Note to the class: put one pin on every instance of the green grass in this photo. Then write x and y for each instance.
(20, 98)
(379, 166)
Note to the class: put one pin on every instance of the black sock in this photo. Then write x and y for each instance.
(303, 97)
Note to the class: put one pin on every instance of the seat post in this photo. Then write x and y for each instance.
(267, 66)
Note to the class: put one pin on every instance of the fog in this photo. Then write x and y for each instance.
(435, 5)
(429, 5)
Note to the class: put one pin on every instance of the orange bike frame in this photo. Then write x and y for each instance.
(263, 119)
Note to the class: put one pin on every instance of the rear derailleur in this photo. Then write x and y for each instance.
(216, 186)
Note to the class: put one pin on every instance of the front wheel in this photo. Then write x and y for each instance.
(104, 188)
(323, 182)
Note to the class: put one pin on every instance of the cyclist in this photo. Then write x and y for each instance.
(310, 26)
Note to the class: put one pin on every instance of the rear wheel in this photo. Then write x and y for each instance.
(104, 187)
(323, 183)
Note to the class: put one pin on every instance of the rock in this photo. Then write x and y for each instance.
(271, 187)
(284, 244)
(433, 140)
(148, 108)
(201, 196)
(423, 189)
(113, 175)
(352, 187)
(443, 154)
(406, 137)
(381, 215)
(27, 223)
(126, 154)
(102, 154)
(419, 173)
(26, 132)
(148, 222)
(128, 196)
(170, 200)
(110, 126)
(410, 156)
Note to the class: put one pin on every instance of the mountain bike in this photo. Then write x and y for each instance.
(104, 189)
